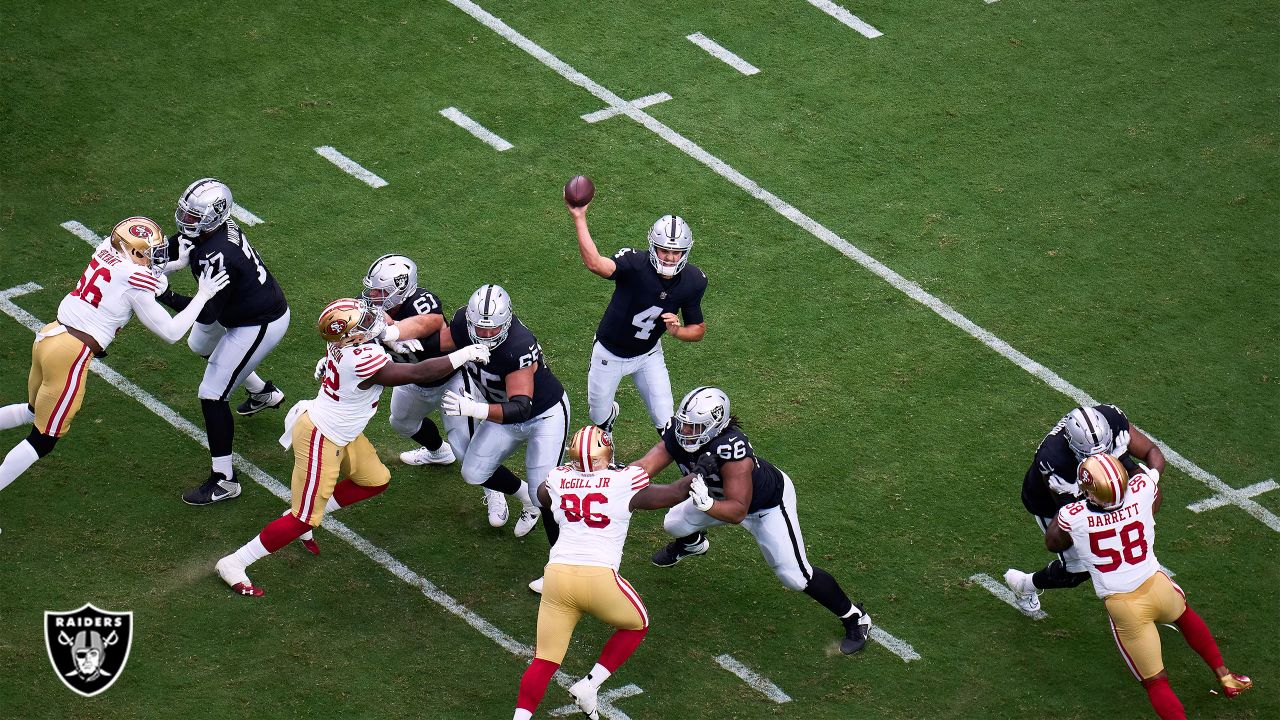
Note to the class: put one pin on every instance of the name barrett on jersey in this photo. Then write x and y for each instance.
(520, 350)
(632, 323)
(253, 296)
(730, 445)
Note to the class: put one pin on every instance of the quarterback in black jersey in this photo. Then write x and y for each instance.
(1050, 484)
(652, 291)
(516, 399)
(737, 487)
(234, 332)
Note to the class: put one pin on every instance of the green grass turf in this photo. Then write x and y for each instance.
(1095, 183)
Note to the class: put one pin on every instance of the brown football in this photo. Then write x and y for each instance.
(579, 191)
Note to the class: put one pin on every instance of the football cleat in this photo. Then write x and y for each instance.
(308, 540)
(536, 585)
(1024, 592)
(496, 502)
(1233, 684)
(233, 574)
(528, 518)
(607, 425)
(270, 397)
(584, 695)
(676, 550)
(442, 455)
(856, 630)
(216, 489)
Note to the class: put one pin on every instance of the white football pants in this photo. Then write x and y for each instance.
(652, 380)
(494, 442)
(233, 353)
(410, 404)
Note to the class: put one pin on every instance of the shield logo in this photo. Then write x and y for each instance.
(88, 647)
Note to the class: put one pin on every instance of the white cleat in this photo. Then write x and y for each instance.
(442, 455)
(528, 518)
(1024, 591)
(536, 585)
(233, 574)
(584, 694)
(496, 502)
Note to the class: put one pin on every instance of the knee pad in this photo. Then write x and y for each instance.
(791, 577)
(471, 477)
(403, 425)
(42, 443)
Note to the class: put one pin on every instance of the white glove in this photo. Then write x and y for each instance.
(1150, 472)
(1062, 487)
(390, 333)
(321, 366)
(455, 405)
(471, 353)
(404, 347)
(1121, 444)
(210, 284)
(698, 491)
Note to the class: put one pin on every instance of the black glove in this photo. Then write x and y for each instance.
(706, 465)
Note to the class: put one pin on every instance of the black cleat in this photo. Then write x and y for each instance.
(856, 629)
(677, 550)
(215, 489)
(270, 397)
(607, 425)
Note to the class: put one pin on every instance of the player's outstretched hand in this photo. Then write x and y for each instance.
(209, 284)
(405, 347)
(458, 405)
(471, 353)
(698, 492)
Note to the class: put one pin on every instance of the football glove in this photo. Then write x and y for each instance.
(471, 353)
(706, 465)
(698, 493)
(459, 405)
(321, 365)
(404, 347)
(209, 284)
(1121, 444)
(1060, 486)
(1150, 472)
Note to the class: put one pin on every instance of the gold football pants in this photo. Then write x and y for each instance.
(1133, 622)
(569, 591)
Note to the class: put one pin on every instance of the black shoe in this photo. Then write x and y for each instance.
(677, 550)
(607, 425)
(856, 629)
(270, 397)
(215, 489)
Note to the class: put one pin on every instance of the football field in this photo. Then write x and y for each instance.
(930, 229)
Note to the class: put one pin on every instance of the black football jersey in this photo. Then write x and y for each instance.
(732, 444)
(632, 324)
(253, 296)
(421, 302)
(518, 351)
(1054, 457)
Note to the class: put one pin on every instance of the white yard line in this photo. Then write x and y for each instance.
(1001, 591)
(757, 681)
(77, 228)
(607, 696)
(898, 647)
(350, 167)
(723, 54)
(820, 231)
(846, 17)
(244, 216)
(373, 552)
(644, 102)
(460, 119)
(1218, 501)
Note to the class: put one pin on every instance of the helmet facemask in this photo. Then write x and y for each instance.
(390, 281)
(670, 232)
(703, 414)
(489, 308)
(203, 206)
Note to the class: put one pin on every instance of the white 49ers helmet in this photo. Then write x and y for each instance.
(390, 281)
(1103, 480)
(703, 414)
(670, 232)
(590, 450)
(203, 206)
(141, 240)
(350, 322)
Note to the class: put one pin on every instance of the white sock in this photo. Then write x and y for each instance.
(21, 457)
(11, 416)
(598, 675)
(252, 552)
(254, 384)
(522, 714)
(523, 496)
(223, 465)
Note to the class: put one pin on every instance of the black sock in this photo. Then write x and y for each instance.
(824, 588)
(693, 539)
(503, 480)
(41, 443)
(218, 425)
(428, 435)
(1055, 576)
(549, 524)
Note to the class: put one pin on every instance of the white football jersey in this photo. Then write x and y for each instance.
(342, 409)
(594, 511)
(98, 305)
(1120, 545)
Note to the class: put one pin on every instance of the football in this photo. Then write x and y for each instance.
(579, 191)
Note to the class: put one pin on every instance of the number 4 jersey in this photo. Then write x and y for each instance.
(1119, 545)
(594, 511)
(632, 324)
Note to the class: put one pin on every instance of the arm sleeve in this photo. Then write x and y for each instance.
(149, 312)
(173, 300)
(1061, 519)
(638, 477)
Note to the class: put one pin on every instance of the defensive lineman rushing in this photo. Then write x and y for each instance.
(123, 277)
(1115, 531)
(742, 488)
(593, 501)
(1050, 484)
(327, 434)
(234, 332)
(522, 402)
(649, 290)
